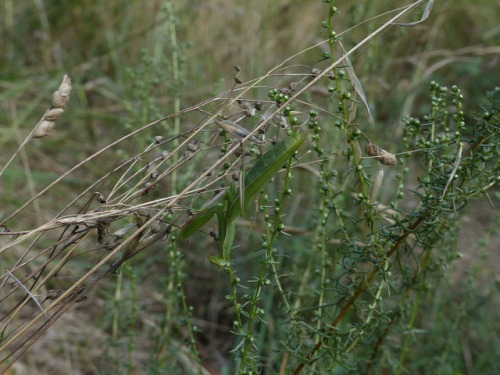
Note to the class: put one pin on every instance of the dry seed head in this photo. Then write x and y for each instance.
(371, 149)
(156, 226)
(387, 158)
(148, 186)
(315, 72)
(380, 154)
(54, 293)
(245, 105)
(61, 97)
(100, 198)
(250, 113)
(59, 100)
(192, 146)
(53, 114)
(154, 174)
(43, 129)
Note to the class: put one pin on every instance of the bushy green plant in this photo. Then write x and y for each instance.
(282, 226)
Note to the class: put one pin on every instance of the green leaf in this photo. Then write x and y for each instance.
(265, 168)
(267, 165)
(228, 240)
(222, 225)
(219, 261)
(198, 220)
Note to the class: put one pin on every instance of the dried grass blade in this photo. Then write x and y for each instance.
(356, 83)
(18, 282)
(425, 15)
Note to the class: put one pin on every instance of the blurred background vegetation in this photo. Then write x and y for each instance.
(132, 62)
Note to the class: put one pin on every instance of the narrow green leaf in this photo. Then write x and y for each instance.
(241, 187)
(222, 225)
(198, 220)
(228, 240)
(266, 167)
(218, 261)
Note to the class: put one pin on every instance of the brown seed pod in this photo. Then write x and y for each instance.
(371, 149)
(59, 100)
(387, 158)
(61, 97)
(53, 114)
(380, 154)
(43, 129)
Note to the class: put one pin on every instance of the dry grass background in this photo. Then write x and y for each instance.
(97, 43)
